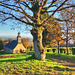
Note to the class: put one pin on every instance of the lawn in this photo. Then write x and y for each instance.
(25, 64)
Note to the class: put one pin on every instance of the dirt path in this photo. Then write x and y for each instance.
(7, 56)
(65, 63)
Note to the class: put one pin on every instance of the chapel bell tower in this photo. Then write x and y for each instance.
(19, 38)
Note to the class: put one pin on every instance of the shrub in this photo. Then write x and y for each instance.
(70, 50)
(73, 51)
(61, 50)
(53, 50)
(65, 50)
(31, 49)
(48, 50)
(1, 45)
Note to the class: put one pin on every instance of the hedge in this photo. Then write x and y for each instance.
(53, 50)
(73, 51)
(61, 50)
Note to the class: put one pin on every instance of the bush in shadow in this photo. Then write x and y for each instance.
(73, 51)
(48, 50)
(61, 50)
(65, 50)
(53, 50)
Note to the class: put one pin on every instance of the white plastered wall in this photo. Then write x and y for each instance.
(18, 48)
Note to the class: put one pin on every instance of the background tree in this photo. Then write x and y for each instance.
(10, 39)
(1, 44)
(52, 34)
(29, 12)
(67, 27)
(7, 41)
(58, 37)
(51, 30)
(26, 42)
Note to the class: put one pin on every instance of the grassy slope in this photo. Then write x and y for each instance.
(23, 64)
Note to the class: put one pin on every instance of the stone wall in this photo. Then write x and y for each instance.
(7, 50)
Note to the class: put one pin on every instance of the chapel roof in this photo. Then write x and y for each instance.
(12, 44)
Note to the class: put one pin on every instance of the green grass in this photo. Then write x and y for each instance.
(23, 64)
(61, 56)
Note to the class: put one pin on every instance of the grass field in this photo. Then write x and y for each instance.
(25, 64)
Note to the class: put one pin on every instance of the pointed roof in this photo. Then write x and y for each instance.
(12, 44)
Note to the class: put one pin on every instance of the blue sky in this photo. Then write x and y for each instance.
(7, 32)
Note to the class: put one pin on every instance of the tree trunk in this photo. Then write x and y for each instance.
(58, 47)
(67, 41)
(67, 46)
(37, 40)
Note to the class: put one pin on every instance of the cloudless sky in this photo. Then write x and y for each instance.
(7, 32)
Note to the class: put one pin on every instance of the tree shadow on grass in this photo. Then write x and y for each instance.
(3, 53)
(57, 68)
(30, 52)
(59, 56)
(64, 61)
(51, 55)
(21, 59)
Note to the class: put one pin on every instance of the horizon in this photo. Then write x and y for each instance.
(25, 36)
(7, 32)
(15, 37)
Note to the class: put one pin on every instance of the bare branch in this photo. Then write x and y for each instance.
(66, 7)
(45, 2)
(25, 4)
(26, 13)
(61, 8)
(7, 18)
(11, 8)
(10, 5)
(13, 16)
(51, 4)
(53, 12)
(63, 20)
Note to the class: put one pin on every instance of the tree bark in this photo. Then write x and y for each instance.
(67, 46)
(37, 40)
(67, 40)
(58, 47)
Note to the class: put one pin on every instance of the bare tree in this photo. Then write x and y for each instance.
(68, 27)
(29, 12)
(26, 42)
